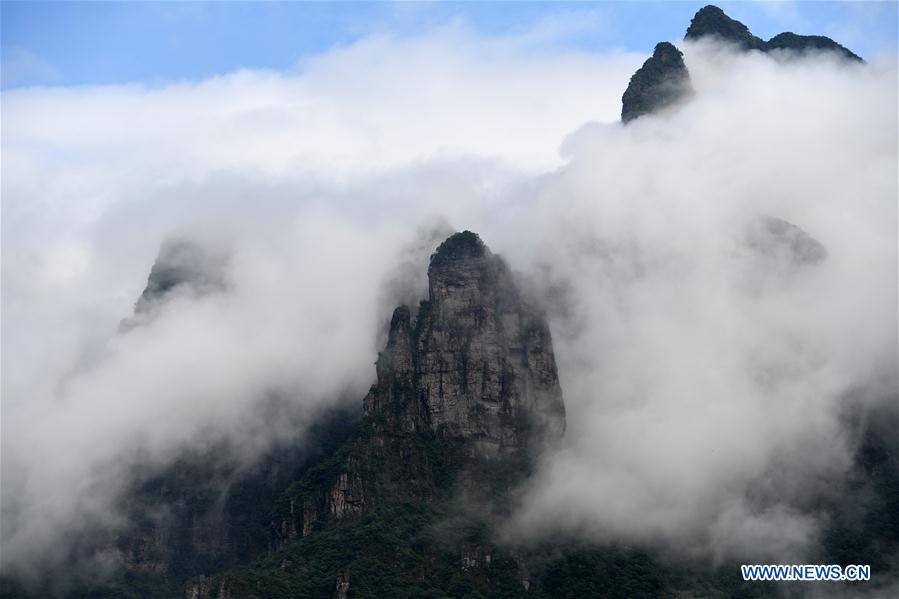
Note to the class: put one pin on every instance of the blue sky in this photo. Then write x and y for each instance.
(77, 43)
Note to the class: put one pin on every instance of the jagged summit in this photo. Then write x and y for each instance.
(805, 43)
(478, 364)
(712, 21)
(662, 81)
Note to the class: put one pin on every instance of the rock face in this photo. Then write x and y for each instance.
(660, 82)
(478, 365)
(204, 588)
(711, 21)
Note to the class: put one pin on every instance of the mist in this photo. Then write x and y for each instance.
(706, 381)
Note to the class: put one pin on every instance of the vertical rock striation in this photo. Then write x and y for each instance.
(478, 365)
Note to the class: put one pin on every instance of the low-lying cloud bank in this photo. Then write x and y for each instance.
(705, 373)
(709, 375)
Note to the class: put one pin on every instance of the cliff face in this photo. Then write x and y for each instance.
(478, 365)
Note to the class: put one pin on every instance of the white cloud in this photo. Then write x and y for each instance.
(696, 371)
(691, 366)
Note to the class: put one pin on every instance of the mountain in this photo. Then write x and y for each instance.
(182, 267)
(400, 494)
(711, 21)
(808, 43)
(406, 492)
(467, 396)
(664, 80)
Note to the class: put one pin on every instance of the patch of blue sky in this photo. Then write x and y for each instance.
(151, 43)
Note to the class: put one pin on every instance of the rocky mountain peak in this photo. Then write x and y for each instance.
(183, 264)
(458, 247)
(667, 53)
(662, 81)
(478, 364)
(712, 21)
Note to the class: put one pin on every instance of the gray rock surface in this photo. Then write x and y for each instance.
(477, 365)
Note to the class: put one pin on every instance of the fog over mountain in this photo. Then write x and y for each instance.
(720, 279)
